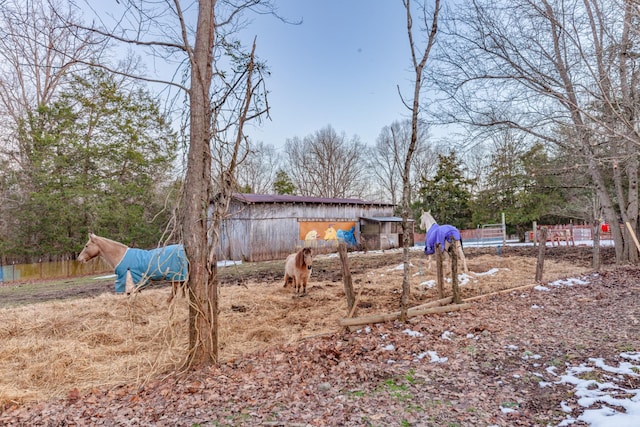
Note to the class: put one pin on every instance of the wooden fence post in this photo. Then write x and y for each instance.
(454, 273)
(346, 276)
(541, 252)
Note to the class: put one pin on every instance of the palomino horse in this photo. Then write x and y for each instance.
(137, 266)
(297, 267)
(445, 235)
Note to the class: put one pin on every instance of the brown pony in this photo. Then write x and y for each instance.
(298, 268)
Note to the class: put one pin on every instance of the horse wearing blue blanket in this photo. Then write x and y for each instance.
(446, 235)
(136, 267)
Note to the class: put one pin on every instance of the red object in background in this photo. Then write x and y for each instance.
(605, 228)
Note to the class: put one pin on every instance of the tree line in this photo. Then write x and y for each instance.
(95, 152)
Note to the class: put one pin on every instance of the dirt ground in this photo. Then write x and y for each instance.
(285, 360)
(326, 269)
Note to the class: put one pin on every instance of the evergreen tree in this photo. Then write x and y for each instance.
(283, 184)
(517, 186)
(98, 159)
(447, 194)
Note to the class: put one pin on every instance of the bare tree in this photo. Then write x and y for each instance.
(221, 83)
(257, 172)
(388, 155)
(327, 164)
(565, 75)
(418, 61)
(38, 54)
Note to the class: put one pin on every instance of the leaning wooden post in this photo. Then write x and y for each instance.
(454, 274)
(346, 276)
(633, 235)
(541, 252)
(439, 278)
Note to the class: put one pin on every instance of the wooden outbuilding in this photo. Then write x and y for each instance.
(383, 232)
(261, 227)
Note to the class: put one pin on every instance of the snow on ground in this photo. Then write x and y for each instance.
(225, 263)
(604, 394)
(463, 278)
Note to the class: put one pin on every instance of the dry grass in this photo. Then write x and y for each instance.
(49, 349)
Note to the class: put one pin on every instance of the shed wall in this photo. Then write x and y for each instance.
(267, 231)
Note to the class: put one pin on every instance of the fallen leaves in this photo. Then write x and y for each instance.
(497, 354)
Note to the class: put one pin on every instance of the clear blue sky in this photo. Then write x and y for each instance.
(341, 67)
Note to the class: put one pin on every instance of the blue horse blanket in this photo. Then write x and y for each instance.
(166, 263)
(440, 234)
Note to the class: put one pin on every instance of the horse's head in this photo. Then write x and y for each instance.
(306, 257)
(90, 251)
(426, 220)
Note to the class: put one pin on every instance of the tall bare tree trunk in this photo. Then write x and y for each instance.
(418, 66)
(628, 84)
(202, 285)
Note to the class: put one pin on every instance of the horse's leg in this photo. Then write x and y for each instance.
(461, 256)
(448, 258)
(130, 287)
(174, 289)
(286, 280)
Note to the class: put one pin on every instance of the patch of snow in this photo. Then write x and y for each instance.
(399, 267)
(227, 263)
(528, 355)
(433, 357)
(389, 347)
(634, 355)
(603, 400)
(428, 284)
(412, 333)
(569, 282)
(534, 306)
(542, 288)
(446, 335)
(489, 272)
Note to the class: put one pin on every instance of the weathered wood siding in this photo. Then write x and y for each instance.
(267, 231)
(382, 235)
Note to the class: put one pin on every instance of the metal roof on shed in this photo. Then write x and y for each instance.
(385, 219)
(286, 198)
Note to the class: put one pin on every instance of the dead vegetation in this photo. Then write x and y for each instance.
(52, 348)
